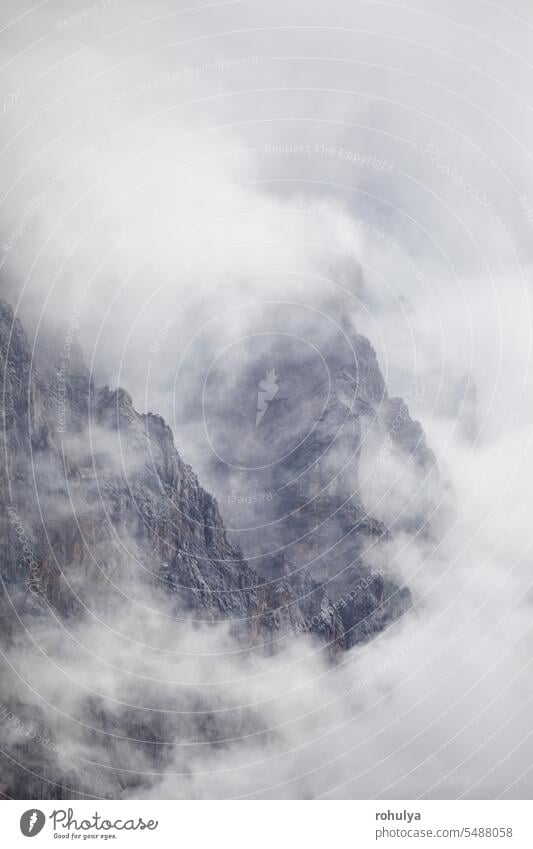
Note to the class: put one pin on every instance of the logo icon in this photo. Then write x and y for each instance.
(268, 389)
(32, 822)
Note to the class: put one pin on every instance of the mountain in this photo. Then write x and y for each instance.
(295, 433)
(98, 509)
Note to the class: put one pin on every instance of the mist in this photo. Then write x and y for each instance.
(182, 188)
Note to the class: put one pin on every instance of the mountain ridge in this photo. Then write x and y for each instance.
(99, 514)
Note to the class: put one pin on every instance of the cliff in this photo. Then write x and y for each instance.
(97, 507)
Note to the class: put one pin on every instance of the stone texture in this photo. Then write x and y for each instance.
(96, 502)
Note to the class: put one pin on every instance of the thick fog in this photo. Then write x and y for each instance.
(176, 180)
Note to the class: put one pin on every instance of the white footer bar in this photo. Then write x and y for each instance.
(269, 825)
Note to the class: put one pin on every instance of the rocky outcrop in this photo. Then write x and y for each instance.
(291, 433)
(94, 494)
(97, 505)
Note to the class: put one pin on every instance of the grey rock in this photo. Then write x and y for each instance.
(95, 501)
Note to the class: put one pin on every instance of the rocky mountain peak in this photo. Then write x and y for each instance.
(98, 506)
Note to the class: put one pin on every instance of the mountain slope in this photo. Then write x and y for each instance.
(103, 525)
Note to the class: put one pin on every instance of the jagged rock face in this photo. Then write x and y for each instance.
(288, 426)
(97, 506)
(101, 497)
(98, 490)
